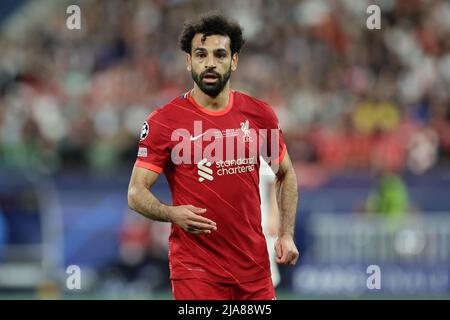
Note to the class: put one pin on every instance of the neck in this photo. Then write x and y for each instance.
(210, 103)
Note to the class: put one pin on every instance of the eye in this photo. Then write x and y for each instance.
(201, 55)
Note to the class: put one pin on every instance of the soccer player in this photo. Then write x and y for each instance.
(208, 142)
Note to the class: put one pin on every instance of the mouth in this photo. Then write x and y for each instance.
(210, 78)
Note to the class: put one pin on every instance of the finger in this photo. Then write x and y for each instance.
(197, 218)
(194, 230)
(197, 231)
(292, 257)
(288, 255)
(279, 251)
(202, 226)
(196, 209)
(294, 261)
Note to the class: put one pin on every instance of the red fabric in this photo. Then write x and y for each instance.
(196, 289)
(149, 166)
(237, 251)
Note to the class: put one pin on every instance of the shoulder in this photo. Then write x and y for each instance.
(165, 112)
(261, 107)
(238, 95)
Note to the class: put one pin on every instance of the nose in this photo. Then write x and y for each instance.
(210, 62)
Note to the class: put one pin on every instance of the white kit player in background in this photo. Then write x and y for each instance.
(269, 215)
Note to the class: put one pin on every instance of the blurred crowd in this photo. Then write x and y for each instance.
(348, 98)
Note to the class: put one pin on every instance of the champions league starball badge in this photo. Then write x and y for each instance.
(145, 130)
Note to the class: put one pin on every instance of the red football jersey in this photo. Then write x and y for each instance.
(211, 160)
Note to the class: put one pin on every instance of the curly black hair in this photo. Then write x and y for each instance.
(212, 24)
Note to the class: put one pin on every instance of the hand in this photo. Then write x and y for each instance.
(190, 220)
(286, 250)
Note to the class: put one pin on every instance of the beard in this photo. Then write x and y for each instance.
(211, 89)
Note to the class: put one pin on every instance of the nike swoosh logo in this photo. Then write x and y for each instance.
(196, 137)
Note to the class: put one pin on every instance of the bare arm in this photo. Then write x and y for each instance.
(273, 223)
(141, 200)
(287, 196)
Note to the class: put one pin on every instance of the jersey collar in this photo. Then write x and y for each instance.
(210, 112)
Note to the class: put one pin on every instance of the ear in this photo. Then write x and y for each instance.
(234, 61)
(187, 59)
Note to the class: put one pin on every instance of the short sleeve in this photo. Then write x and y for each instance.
(154, 144)
(274, 147)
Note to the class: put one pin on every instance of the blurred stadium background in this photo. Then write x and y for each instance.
(365, 115)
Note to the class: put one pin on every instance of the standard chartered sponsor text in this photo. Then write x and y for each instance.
(240, 165)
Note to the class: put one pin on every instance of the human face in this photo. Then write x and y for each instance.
(211, 63)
